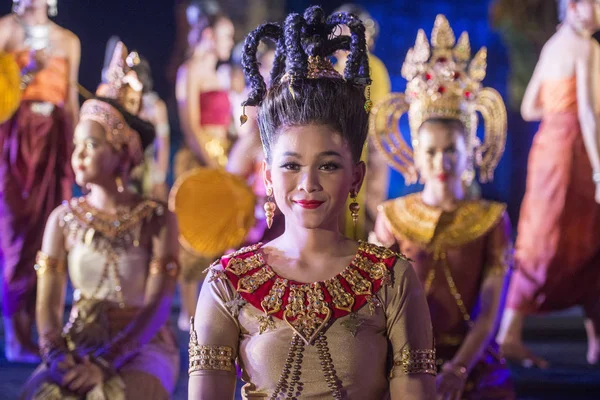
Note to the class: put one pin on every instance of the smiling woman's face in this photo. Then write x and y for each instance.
(312, 173)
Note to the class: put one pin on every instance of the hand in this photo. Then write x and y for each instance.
(450, 382)
(60, 366)
(382, 232)
(83, 377)
(598, 193)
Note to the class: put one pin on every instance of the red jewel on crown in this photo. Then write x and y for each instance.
(456, 75)
(442, 60)
(428, 76)
(441, 89)
(468, 94)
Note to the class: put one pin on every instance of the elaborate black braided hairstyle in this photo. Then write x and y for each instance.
(303, 89)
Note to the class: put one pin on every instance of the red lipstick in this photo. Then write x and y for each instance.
(309, 204)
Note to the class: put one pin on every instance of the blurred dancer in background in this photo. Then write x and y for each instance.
(120, 251)
(36, 143)
(557, 254)
(203, 85)
(375, 189)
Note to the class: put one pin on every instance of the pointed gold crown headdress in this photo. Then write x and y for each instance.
(120, 75)
(443, 82)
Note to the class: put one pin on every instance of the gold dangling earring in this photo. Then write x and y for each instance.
(52, 8)
(243, 117)
(368, 102)
(270, 207)
(120, 187)
(354, 209)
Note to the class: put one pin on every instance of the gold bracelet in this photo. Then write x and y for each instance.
(45, 263)
(421, 361)
(168, 266)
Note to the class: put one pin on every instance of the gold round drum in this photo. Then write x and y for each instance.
(214, 209)
(10, 86)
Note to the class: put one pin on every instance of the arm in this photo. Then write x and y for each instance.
(51, 290)
(242, 158)
(410, 334)
(160, 288)
(5, 31)
(162, 142)
(531, 108)
(188, 104)
(586, 71)
(74, 59)
(495, 270)
(214, 327)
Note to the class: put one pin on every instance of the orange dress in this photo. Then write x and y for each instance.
(35, 176)
(452, 254)
(558, 244)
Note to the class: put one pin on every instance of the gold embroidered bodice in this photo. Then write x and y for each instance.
(105, 257)
(331, 339)
(453, 252)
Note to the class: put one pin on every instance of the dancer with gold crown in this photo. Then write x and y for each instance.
(312, 313)
(461, 247)
(120, 252)
(36, 143)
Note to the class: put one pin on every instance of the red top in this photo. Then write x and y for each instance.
(215, 108)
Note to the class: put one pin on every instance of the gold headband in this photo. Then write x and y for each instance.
(118, 133)
(443, 82)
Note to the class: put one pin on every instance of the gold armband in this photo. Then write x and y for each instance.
(166, 266)
(417, 362)
(45, 263)
(208, 358)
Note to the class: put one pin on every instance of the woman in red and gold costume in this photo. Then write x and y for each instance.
(36, 143)
(312, 313)
(205, 116)
(557, 252)
(120, 253)
(461, 247)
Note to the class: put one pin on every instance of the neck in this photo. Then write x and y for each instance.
(107, 197)
(34, 16)
(578, 29)
(445, 197)
(297, 240)
(207, 56)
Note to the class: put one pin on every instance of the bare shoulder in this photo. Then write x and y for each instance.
(8, 21)
(8, 26)
(70, 39)
(58, 217)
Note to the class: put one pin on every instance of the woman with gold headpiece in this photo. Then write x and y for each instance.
(202, 90)
(35, 175)
(461, 247)
(557, 252)
(312, 313)
(120, 253)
